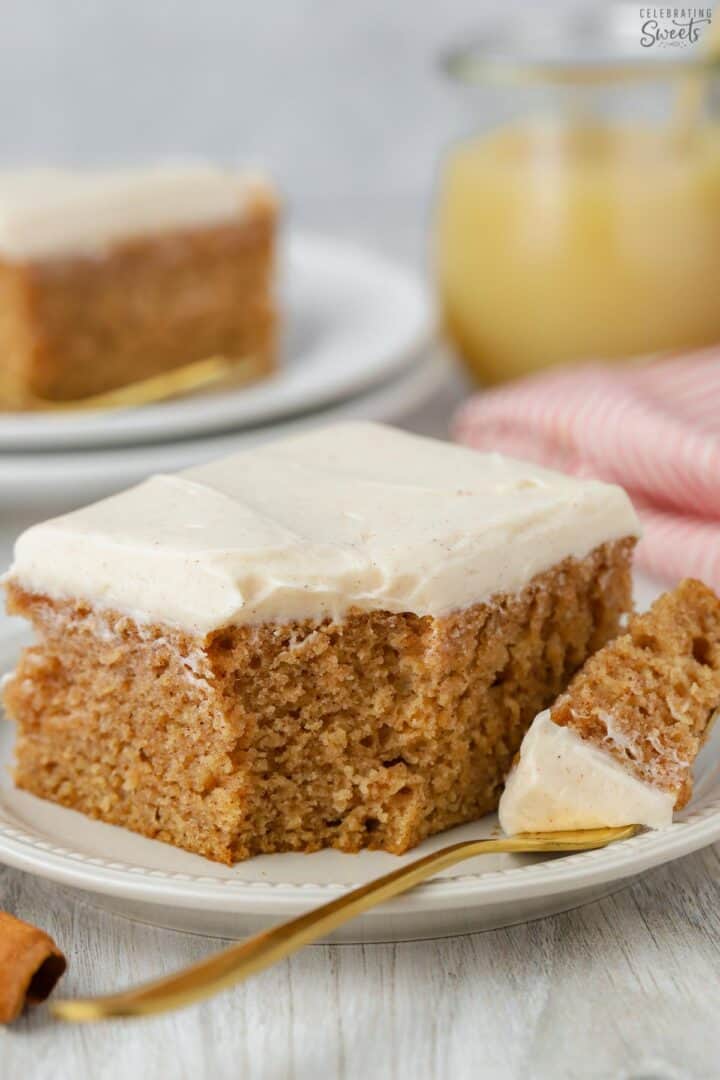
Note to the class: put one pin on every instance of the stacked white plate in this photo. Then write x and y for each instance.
(357, 331)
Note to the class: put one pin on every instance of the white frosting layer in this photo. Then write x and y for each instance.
(561, 781)
(52, 212)
(357, 515)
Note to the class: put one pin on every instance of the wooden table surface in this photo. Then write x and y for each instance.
(627, 987)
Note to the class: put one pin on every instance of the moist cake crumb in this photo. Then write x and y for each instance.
(618, 746)
(314, 643)
(373, 731)
(649, 697)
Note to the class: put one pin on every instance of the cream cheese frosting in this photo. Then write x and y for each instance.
(353, 516)
(562, 781)
(52, 212)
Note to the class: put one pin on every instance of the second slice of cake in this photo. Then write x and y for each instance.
(336, 640)
(110, 277)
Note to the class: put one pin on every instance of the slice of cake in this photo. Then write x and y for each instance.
(108, 278)
(618, 747)
(336, 640)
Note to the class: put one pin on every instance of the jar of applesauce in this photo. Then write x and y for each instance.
(579, 216)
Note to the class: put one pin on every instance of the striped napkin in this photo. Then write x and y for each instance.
(653, 427)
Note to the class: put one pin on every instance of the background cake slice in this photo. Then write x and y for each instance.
(337, 640)
(619, 746)
(110, 277)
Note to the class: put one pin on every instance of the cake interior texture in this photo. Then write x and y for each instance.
(76, 325)
(374, 730)
(649, 697)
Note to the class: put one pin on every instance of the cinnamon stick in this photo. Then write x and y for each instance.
(30, 966)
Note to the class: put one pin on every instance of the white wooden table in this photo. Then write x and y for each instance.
(627, 987)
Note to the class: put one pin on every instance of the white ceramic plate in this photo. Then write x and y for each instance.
(88, 474)
(351, 319)
(151, 881)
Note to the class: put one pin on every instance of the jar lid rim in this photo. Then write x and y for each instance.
(470, 65)
(619, 42)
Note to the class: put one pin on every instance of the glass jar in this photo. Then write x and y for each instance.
(580, 217)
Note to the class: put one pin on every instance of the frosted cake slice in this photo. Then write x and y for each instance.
(110, 277)
(335, 640)
(618, 747)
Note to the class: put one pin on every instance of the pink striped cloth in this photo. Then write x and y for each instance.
(654, 428)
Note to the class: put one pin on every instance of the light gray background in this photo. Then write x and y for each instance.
(337, 98)
(341, 102)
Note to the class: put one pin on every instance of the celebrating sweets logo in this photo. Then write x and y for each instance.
(672, 27)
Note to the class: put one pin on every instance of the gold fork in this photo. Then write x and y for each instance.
(197, 375)
(232, 965)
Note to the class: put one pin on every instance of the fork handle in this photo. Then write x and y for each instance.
(232, 965)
